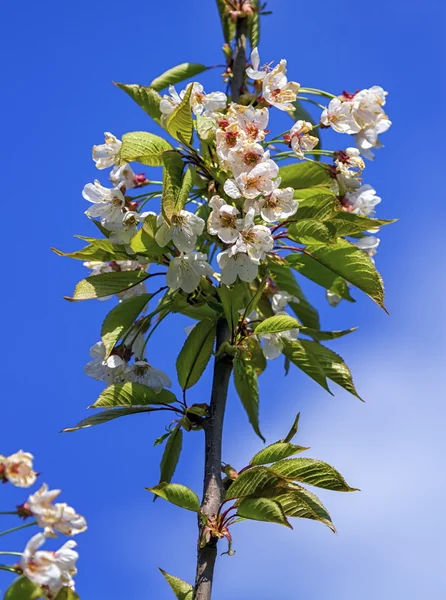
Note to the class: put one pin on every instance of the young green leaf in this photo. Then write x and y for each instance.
(147, 98)
(292, 432)
(275, 452)
(23, 589)
(277, 324)
(254, 24)
(132, 394)
(256, 481)
(179, 123)
(186, 186)
(333, 366)
(312, 472)
(171, 455)
(345, 223)
(107, 284)
(107, 415)
(321, 336)
(302, 504)
(177, 494)
(101, 250)
(143, 147)
(181, 589)
(227, 23)
(304, 175)
(66, 593)
(196, 352)
(296, 352)
(253, 353)
(262, 509)
(233, 301)
(121, 318)
(245, 380)
(352, 264)
(176, 75)
(172, 183)
(283, 277)
(311, 268)
(143, 242)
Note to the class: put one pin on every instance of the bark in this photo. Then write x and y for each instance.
(213, 429)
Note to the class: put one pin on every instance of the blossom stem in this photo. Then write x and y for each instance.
(312, 102)
(11, 554)
(17, 528)
(316, 92)
(10, 569)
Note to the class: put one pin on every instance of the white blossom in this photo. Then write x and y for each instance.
(186, 271)
(184, 229)
(277, 90)
(201, 103)
(110, 370)
(255, 240)
(105, 155)
(123, 229)
(233, 265)
(122, 176)
(223, 220)
(108, 203)
(254, 72)
(54, 517)
(228, 139)
(254, 183)
(338, 115)
(141, 372)
(368, 137)
(300, 139)
(348, 159)
(278, 205)
(251, 121)
(246, 157)
(369, 244)
(273, 343)
(169, 103)
(51, 570)
(18, 469)
(280, 301)
(363, 201)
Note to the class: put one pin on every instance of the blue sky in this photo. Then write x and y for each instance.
(59, 61)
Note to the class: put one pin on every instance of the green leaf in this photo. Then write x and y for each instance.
(197, 311)
(181, 589)
(205, 128)
(143, 242)
(179, 123)
(345, 223)
(299, 355)
(227, 24)
(245, 380)
(255, 481)
(233, 300)
(253, 353)
(143, 147)
(283, 277)
(304, 175)
(172, 183)
(159, 440)
(186, 186)
(132, 394)
(67, 594)
(309, 267)
(333, 366)
(277, 324)
(121, 318)
(147, 98)
(178, 494)
(262, 509)
(100, 250)
(23, 589)
(321, 336)
(254, 24)
(275, 452)
(312, 472)
(292, 432)
(107, 284)
(352, 264)
(308, 231)
(196, 352)
(177, 74)
(171, 455)
(107, 415)
(302, 504)
(319, 206)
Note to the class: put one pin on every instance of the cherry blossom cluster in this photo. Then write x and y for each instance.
(51, 570)
(250, 206)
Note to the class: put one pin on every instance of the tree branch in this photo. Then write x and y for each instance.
(213, 428)
(213, 486)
